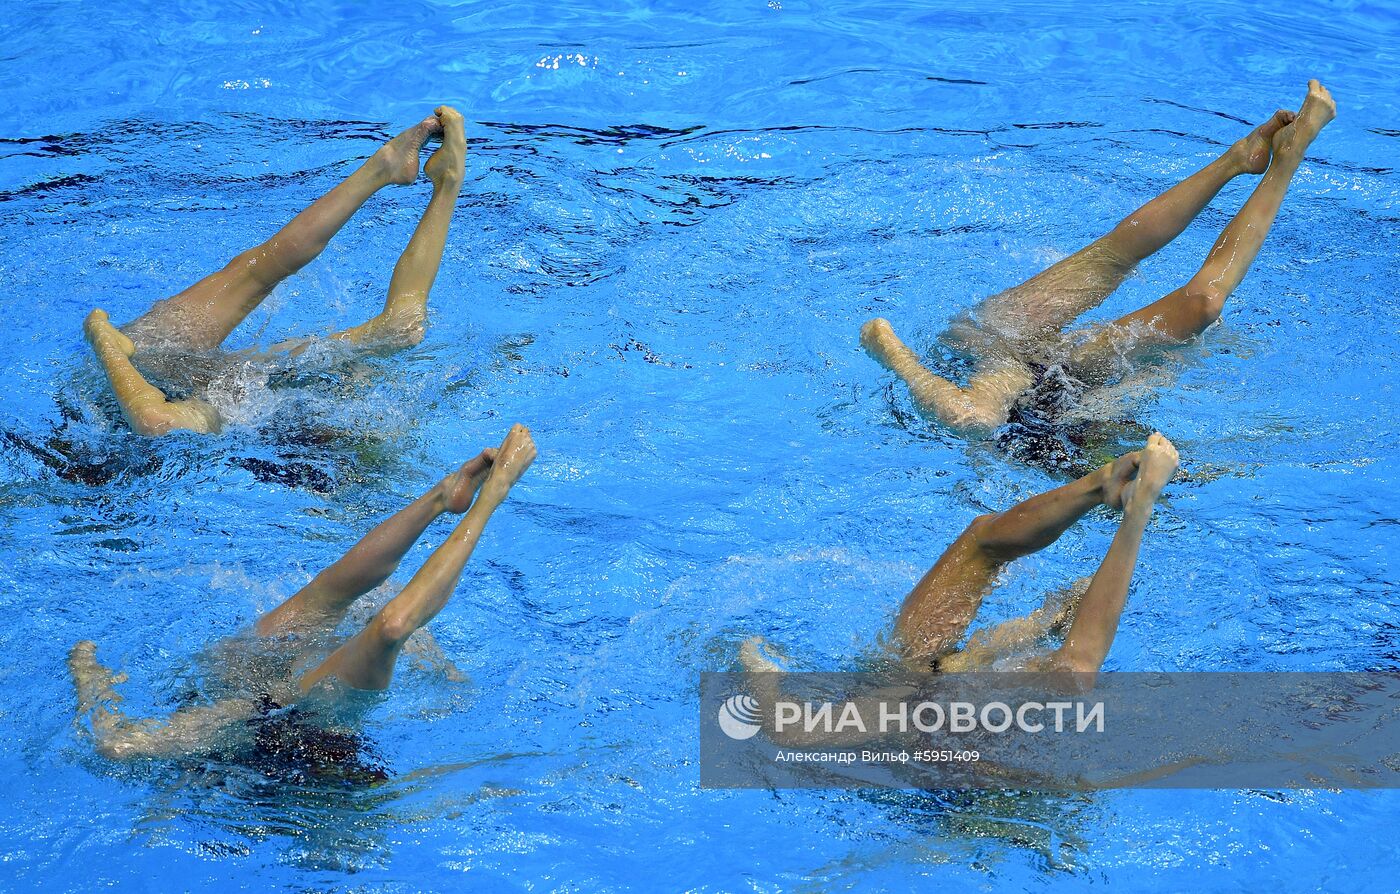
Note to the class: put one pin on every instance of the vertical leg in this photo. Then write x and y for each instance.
(1096, 621)
(1186, 312)
(1055, 297)
(203, 315)
(939, 609)
(366, 660)
(405, 310)
(322, 603)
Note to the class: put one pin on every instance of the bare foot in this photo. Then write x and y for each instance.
(391, 330)
(447, 166)
(1156, 466)
(92, 681)
(878, 338)
(103, 336)
(398, 158)
(512, 458)
(459, 488)
(1318, 109)
(1115, 477)
(1254, 150)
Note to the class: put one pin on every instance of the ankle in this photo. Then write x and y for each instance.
(447, 184)
(1139, 505)
(378, 170)
(437, 497)
(1235, 162)
(1285, 162)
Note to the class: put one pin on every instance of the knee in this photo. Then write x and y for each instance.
(1119, 251)
(996, 547)
(980, 525)
(150, 421)
(980, 533)
(408, 333)
(977, 419)
(1206, 300)
(401, 327)
(391, 628)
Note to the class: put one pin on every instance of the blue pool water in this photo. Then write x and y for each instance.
(674, 220)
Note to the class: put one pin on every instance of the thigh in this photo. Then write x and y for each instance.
(1100, 351)
(1054, 298)
(202, 316)
(938, 611)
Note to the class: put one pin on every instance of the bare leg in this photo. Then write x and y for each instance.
(999, 330)
(188, 731)
(974, 411)
(942, 605)
(145, 406)
(321, 604)
(366, 660)
(1052, 299)
(990, 644)
(1186, 312)
(203, 315)
(1096, 621)
(406, 309)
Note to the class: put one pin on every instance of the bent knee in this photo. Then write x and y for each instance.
(151, 421)
(978, 527)
(1206, 301)
(976, 419)
(979, 533)
(391, 628)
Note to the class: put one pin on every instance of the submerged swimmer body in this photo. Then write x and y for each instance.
(278, 677)
(185, 331)
(938, 612)
(1027, 372)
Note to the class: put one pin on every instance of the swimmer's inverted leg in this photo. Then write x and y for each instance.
(1096, 618)
(939, 609)
(366, 660)
(400, 324)
(1057, 296)
(973, 411)
(1186, 312)
(145, 406)
(203, 315)
(188, 731)
(321, 604)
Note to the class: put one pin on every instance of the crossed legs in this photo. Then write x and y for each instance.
(1187, 311)
(202, 316)
(943, 604)
(1007, 327)
(366, 660)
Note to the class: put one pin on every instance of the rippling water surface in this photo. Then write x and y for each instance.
(675, 217)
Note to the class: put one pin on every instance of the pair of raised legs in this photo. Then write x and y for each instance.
(1010, 331)
(939, 610)
(202, 316)
(366, 660)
